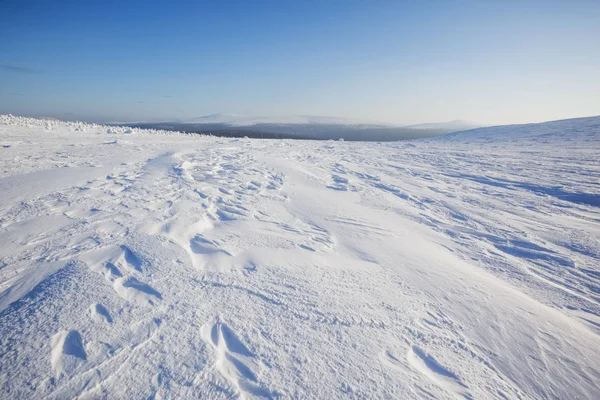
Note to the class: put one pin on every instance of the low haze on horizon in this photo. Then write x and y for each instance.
(492, 62)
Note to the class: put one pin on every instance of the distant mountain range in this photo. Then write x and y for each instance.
(239, 120)
(452, 126)
(304, 127)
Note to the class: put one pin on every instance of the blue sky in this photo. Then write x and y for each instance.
(402, 62)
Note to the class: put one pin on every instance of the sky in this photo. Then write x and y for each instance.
(400, 62)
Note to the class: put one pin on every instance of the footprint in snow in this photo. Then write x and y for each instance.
(234, 361)
(99, 313)
(441, 376)
(68, 353)
(135, 291)
(200, 245)
(112, 260)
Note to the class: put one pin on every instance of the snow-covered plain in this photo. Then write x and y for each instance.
(138, 264)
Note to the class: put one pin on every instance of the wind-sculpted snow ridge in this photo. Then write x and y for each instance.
(179, 266)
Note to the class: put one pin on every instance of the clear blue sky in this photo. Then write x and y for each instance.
(393, 61)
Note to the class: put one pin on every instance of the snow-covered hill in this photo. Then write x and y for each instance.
(142, 264)
(576, 131)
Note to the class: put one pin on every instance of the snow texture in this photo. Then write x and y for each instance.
(146, 264)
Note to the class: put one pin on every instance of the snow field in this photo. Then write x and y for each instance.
(140, 264)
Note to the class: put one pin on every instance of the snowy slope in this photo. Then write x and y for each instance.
(139, 264)
(575, 130)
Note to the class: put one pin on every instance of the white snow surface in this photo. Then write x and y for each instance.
(141, 264)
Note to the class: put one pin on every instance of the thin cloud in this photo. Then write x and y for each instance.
(166, 95)
(17, 69)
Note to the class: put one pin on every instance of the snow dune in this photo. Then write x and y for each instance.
(141, 264)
